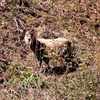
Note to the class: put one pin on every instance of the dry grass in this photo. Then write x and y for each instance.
(20, 75)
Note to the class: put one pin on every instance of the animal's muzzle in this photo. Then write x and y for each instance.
(29, 39)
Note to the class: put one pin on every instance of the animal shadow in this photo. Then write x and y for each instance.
(72, 62)
(60, 70)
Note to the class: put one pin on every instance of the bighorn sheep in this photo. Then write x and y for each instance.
(39, 45)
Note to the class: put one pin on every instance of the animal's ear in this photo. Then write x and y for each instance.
(32, 31)
(24, 31)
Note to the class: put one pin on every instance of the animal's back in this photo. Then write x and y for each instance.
(53, 43)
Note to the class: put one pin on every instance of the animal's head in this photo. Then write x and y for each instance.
(29, 37)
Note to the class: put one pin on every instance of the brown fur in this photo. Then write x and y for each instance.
(39, 45)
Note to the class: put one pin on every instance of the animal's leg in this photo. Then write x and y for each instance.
(41, 66)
